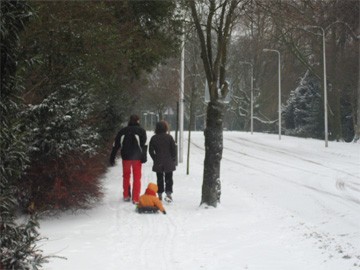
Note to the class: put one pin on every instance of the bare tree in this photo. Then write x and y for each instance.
(213, 21)
(340, 22)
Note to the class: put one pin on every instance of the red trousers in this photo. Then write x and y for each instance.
(135, 165)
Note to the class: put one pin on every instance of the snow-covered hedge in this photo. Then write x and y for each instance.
(63, 148)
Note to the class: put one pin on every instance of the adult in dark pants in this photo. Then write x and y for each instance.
(130, 140)
(162, 150)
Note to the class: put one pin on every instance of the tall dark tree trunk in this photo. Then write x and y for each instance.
(219, 19)
(211, 188)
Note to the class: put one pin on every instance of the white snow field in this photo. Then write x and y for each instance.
(286, 205)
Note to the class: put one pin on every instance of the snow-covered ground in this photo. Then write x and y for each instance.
(285, 205)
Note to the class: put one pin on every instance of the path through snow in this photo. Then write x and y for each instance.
(289, 204)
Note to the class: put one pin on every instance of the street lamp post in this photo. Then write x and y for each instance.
(181, 101)
(251, 96)
(325, 86)
(279, 78)
(145, 122)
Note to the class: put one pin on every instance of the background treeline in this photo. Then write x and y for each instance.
(284, 26)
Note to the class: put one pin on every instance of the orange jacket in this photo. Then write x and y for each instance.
(149, 199)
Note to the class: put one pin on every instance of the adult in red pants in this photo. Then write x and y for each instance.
(130, 141)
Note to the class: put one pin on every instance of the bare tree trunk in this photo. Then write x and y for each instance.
(211, 189)
(220, 16)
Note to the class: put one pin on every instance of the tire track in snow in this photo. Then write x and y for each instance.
(273, 162)
(347, 197)
(248, 166)
(339, 184)
(261, 159)
(146, 243)
(157, 241)
(155, 247)
(168, 248)
(343, 185)
(258, 158)
(333, 245)
(276, 177)
(273, 149)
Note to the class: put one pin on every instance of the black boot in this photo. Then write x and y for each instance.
(168, 197)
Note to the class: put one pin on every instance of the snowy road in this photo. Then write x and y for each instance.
(289, 204)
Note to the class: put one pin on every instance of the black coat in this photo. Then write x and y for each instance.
(128, 140)
(162, 150)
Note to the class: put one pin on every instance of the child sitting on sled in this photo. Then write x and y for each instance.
(149, 202)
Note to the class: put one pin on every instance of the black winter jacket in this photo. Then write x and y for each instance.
(128, 140)
(162, 150)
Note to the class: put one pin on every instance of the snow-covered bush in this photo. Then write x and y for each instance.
(59, 125)
(18, 239)
(17, 246)
(62, 145)
(303, 113)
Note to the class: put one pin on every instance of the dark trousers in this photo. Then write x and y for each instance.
(168, 182)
